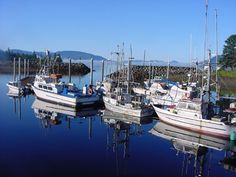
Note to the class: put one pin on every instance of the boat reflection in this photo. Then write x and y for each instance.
(120, 128)
(196, 147)
(53, 114)
(16, 98)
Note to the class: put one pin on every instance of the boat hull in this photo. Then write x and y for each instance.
(15, 89)
(111, 105)
(65, 100)
(203, 126)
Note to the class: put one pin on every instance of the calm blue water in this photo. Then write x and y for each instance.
(32, 143)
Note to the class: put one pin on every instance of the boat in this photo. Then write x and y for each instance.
(125, 104)
(121, 100)
(197, 114)
(48, 87)
(16, 87)
(193, 115)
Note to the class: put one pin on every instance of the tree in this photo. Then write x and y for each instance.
(229, 53)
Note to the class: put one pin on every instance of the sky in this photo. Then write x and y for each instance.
(173, 29)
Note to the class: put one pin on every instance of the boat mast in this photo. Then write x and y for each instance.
(206, 33)
(168, 68)
(19, 67)
(14, 69)
(144, 57)
(216, 28)
(129, 70)
(190, 57)
(208, 86)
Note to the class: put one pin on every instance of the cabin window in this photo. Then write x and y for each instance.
(49, 88)
(45, 87)
(40, 86)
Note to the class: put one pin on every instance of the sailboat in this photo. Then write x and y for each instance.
(122, 101)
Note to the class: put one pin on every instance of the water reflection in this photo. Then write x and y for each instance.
(52, 114)
(196, 149)
(16, 99)
(120, 128)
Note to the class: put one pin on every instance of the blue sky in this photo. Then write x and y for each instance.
(161, 27)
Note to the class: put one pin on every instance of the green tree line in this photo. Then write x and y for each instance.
(228, 59)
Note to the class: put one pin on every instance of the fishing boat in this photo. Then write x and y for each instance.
(121, 100)
(49, 87)
(198, 114)
(193, 115)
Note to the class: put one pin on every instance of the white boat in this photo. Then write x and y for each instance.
(121, 100)
(124, 105)
(49, 88)
(191, 115)
(15, 87)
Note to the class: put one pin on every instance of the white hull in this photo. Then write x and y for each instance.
(15, 89)
(112, 105)
(209, 127)
(65, 100)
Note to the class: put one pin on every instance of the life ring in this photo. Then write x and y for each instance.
(90, 91)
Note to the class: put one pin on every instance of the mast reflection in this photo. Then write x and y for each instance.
(196, 148)
(120, 128)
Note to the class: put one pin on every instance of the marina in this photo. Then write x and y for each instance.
(116, 88)
(122, 143)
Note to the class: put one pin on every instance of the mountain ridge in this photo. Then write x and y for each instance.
(65, 54)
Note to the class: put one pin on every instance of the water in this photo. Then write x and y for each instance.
(87, 145)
